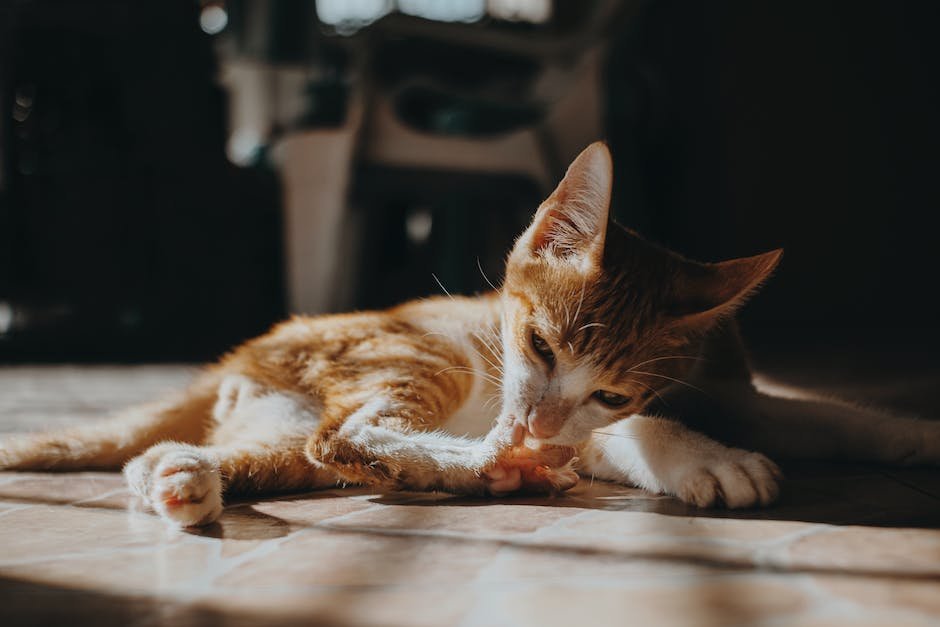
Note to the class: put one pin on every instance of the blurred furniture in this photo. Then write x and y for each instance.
(458, 129)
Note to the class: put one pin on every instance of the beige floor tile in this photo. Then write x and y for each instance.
(173, 569)
(47, 532)
(869, 551)
(439, 606)
(917, 596)
(90, 489)
(869, 619)
(721, 543)
(318, 558)
(557, 565)
(480, 518)
(707, 603)
(848, 544)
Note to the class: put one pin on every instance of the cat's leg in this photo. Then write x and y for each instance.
(818, 428)
(664, 456)
(257, 446)
(380, 443)
(376, 444)
(796, 424)
(108, 444)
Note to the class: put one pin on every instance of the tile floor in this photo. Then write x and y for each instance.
(846, 545)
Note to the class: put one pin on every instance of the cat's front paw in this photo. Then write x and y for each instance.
(182, 484)
(523, 469)
(736, 479)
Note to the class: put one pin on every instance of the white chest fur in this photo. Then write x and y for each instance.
(476, 416)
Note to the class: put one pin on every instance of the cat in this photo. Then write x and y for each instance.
(601, 355)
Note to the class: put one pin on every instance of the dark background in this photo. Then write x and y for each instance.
(736, 127)
(808, 125)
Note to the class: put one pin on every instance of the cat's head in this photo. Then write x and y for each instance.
(597, 321)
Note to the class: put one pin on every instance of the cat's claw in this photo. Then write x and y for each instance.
(738, 479)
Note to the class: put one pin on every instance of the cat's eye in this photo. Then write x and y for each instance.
(611, 399)
(542, 348)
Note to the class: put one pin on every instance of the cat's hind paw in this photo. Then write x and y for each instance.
(183, 485)
(738, 479)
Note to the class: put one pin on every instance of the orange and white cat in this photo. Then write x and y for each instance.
(601, 354)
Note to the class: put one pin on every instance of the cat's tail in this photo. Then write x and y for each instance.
(797, 424)
(109, 443)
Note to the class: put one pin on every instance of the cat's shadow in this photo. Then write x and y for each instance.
(835, 494)
(242, 521)
(838, 494)
(816, 493)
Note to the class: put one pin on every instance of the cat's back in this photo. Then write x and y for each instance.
(451, 315)
(304, 349)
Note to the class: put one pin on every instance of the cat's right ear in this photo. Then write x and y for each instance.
(706, 292)
(571, 224)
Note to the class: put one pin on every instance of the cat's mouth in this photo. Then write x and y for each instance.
(538, 430)
(543, 422)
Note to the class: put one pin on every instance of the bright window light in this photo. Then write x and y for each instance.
(444, 10)
(352, 14)
(213, 19)
(348, 16)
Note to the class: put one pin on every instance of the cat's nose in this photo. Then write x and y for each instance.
(543, 425)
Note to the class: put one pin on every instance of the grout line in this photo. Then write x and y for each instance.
(15, 509)
(104, 495)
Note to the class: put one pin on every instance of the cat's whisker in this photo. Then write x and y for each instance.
(494, 380)
(497, 366)
(674, 380)
(486, 278)
(651, 389)
(580, 302)
(484, 358)
(497, 353)
(616, 435)
(489, 331)
(464, 370)
(584, 327)
(492, 401)
(441, 285)
(492, 365)
(649, 361)
(491, 347)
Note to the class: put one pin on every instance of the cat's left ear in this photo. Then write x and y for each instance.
(571, 224)
(705, 292)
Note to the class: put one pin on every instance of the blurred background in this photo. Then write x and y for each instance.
(176, 176)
